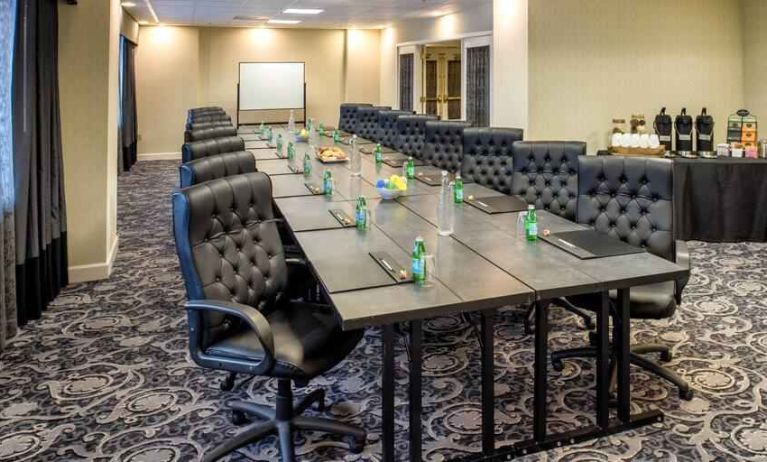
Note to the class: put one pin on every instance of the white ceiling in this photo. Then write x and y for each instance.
(337, 14)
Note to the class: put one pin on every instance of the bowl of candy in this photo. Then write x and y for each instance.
(391, 188)
(302, 136)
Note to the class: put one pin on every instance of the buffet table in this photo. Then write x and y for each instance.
(720, 200)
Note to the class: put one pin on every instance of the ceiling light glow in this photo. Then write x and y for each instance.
(283, 21)
(302, 11)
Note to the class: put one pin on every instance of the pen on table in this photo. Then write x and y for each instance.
(567, 243)
(482, 204)
(387, 265)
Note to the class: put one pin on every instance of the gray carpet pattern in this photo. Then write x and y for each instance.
(105, 374)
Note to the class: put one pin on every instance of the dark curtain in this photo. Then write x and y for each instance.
(41, 249)
(406, 69)
(478, 86)
(128, 117)
(431, 87)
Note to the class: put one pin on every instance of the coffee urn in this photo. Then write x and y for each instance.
(683, 125)
(704, 135)
(663, 127)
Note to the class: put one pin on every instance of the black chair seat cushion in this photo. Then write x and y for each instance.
(651, 301)
(307, 339)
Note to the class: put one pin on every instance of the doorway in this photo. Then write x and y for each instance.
(441, 82)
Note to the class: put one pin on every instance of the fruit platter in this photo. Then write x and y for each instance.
(391, 188)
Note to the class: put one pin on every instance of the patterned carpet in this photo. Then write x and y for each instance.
(105, 374)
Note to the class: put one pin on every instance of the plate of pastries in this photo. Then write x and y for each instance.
(332, 154)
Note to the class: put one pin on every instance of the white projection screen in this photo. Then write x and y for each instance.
(269, 86)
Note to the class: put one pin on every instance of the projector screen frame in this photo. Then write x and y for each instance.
(239, 73)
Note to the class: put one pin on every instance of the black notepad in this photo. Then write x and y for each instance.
(588, 243)
(398, 160)
(392, 268)
(343, 218)
(368, 149)
(498, 204)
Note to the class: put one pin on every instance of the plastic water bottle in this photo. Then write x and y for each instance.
(291, 152)
(458, 189)
(279, 144)
(378, 154)
(308, 163)
(292, 122)
(327, 183)
(522, 225)
(445, 211)
(410, 168)
(262, 129)
(361, 214)
(356, 160)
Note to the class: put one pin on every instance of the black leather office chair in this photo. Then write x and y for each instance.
(366, 125)
(199, 149)
(214, 167)
(411, 134)
(347, 120)
(546, 175)
(208, 124)
(487, 156)
(215, 131)
(631, 199)
(205, 109)
(387, 127)
(240, 320)
(209, 117)
(443, 147)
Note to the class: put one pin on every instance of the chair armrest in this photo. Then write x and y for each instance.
(682, 258)
(250, 315)
(295, 261)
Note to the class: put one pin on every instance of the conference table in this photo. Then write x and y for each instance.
(483, 266)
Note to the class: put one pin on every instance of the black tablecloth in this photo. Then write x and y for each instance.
(720, 200)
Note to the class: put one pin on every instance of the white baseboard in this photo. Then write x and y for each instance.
(95, 271)
(159, 156)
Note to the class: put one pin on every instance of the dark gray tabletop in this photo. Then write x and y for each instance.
(313, 213)
(291, 186)
(263, 154)
(341, 257)
(257, 145)
(274, 167)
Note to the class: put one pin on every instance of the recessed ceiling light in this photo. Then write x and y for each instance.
(128, 4)
(283, 21)
(303, 11)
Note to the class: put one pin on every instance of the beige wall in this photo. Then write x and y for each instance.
(183, 67)
(754, 29)
(510, 96)
(88, 59)
(167, 84)
(472, 20)
(591, 61)
(362, 67)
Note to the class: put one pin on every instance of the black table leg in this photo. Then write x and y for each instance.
(603, 362)
(387, 402)
(622, 340)
(541, 372)
(488, 382)
(416, 360)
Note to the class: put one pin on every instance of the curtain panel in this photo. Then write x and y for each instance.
(478, 86)
(128, 116)
(40, 211)
(8, 315)
(406, 63)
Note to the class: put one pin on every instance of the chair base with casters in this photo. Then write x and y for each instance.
(635, 358)
(284, 419)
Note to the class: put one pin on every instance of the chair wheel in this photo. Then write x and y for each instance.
(666, 356)
(228, 383)
(239, 418)
(356, 445)
(686, 395)
(558, 365)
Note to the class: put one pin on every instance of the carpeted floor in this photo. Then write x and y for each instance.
(105, 374)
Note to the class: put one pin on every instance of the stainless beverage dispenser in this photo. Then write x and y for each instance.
(663, 127)
(704, 135)
(683, 125)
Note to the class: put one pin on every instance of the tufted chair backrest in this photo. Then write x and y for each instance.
(387, 127)
(348, 118)
(546, 174)
(628, 198)
(487, 156)
(443, 147)
(201, 125)
(209, 117)
(199, 149)
(215, 131)
(218, 166)
(411, 134)
(228, 245)
(205, 109)
(366, 124)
